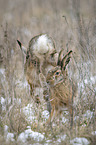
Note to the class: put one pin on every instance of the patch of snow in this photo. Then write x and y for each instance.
(21, 137)
(45, 115)
(29, 112)
(10, 137)
(79, 141)
(2, 71)
(64, 120)
(6, 129)
(93, 79)
(48, 141)
(30, 134)
(2, 76)
(3, 103)
(93, 133)
(61, 138)
(28, 127)
(2, 100)
(88, 114)
(31, 119)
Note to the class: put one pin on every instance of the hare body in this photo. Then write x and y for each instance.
(41, 55)
(60, 91)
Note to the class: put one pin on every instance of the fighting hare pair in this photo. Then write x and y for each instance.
(40, 56)
(45, 67)
(59, 90)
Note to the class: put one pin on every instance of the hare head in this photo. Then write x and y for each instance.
(54, 76)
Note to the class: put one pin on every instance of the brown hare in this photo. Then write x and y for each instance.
(40, 56)
(59, 90)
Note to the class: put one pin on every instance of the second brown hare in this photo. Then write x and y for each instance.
(58, 88)
(39, 57)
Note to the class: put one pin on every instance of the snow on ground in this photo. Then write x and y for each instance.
(88, 114)
(2, 71)
(29, 134)
(3, 103)
(29, 113)
(45, 115)
(79, 141)
(7, 135)
(24, 136)
(10, 137)
(93, 133)
(61, 138)
(64, 120)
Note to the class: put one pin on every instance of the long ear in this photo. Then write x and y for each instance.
(66, 60)
(24, 49)
(60, 57)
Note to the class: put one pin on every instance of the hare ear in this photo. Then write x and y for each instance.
(60, 57)
(66, 60)
(42, 80)
(24, 49)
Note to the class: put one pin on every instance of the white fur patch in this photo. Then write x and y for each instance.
(43, 45)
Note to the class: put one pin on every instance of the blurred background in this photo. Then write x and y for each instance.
(72, 25)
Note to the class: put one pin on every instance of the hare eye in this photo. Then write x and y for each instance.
(57, 73)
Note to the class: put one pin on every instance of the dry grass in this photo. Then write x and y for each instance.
(23, 20)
